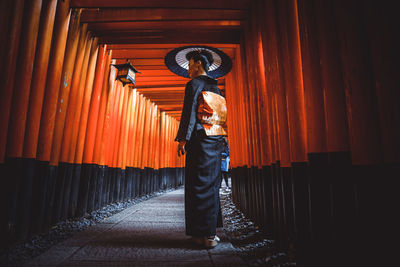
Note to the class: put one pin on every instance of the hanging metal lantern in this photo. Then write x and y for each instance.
(126, 73)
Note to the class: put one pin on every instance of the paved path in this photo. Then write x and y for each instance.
(150, 233)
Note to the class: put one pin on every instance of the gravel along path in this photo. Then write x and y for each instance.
(256, 248)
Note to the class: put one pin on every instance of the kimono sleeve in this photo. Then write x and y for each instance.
(188, 116)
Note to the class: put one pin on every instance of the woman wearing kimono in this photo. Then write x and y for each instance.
(200, 137)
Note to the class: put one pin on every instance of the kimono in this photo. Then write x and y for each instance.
(203, 163)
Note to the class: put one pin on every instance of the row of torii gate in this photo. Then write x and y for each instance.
(313, 124)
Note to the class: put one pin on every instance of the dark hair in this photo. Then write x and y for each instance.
(204, 56)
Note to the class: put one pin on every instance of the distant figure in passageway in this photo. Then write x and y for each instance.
(225, 163)
(200, 136)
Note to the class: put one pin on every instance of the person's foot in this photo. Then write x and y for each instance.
(211, 242)
(208, 242)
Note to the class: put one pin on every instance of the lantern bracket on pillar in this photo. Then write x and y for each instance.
(126, 73)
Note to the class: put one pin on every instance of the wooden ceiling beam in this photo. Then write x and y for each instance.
(175, 36)
(208, 4)
(176, 107)
(167, 98)
(221, 46)
(109, 28)
(140, 78)
(170, 102)
(157, 83)
(139, 53)
(158, 91)
(143, 84)
(162, 89)
(153, 53)
(175, 112)
(158, 14)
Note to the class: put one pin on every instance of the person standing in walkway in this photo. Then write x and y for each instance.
(225, 163)
(200, 136)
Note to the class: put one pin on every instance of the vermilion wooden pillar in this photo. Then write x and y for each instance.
(141, 124)
(105, 88)
(169, 136)
(313, 90)
(150, 136)
(247, 111)
(108, 119)
(154, 139)
(129, 142)
(86, 102)
(265, 65)
(163, 138)
(135, 128)
(135, 118)
(234, 98)
(158, 141)
(262, 98)
(146, 131)
(251, 95)
(114, 96)
(7, 75)
(25, 63)
(95, 104)
(121, 146)
(6, 14)
(380, 21)
(362, 110)
(265, 94)
(68, 95)
(39, 78)
(275, 82)
(53, 81)
(232, 130)
(337, 138)
(244, 147)
(291, 60)
(119, 101)
(244, 114)
(137, 132)
(76, 112)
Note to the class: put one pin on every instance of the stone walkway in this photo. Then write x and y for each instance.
(150, 233)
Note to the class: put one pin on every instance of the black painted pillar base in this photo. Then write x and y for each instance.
(12, 180)
(39, 192)
(98, 198)
(267, 224)
(84, 185)
(300, 178)
(62, 191)
(92, 187)
(287, 187)
(75, 183)
(3, 207)
(320, 206)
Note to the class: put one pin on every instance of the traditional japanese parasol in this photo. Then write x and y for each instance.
(176, 60)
